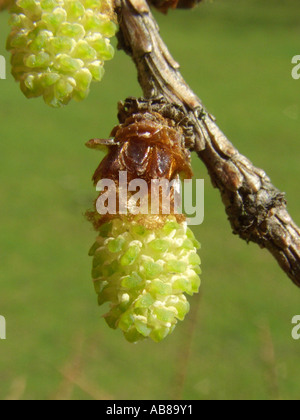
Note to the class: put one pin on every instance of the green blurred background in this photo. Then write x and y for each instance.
(236, 342)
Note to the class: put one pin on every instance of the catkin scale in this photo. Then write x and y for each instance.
(146, 146)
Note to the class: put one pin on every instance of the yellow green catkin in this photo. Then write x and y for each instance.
(144, 275)
(59, 47)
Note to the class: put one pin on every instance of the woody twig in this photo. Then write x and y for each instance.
(256, 209)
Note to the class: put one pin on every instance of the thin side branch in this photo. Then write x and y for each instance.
(255, 208)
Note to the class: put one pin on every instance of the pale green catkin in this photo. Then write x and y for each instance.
(144, 275)
(59, 47)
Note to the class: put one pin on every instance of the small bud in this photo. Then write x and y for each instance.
(59, 47)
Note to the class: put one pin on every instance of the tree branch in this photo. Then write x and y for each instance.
(255, 208)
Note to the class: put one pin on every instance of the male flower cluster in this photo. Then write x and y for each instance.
(144, 274)
(59, 47)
